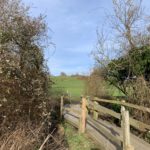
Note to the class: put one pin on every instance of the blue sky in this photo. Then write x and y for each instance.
(73, 24)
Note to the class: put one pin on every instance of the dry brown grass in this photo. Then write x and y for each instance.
(26, 137)
(17, 140)
(95, 86)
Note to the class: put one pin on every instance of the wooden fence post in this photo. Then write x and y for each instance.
(82, 119)
(122, 109)
(95, 113)
(61, 106)
(126, 131)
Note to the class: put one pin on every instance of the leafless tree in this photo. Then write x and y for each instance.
(129, 33)
(127, 19)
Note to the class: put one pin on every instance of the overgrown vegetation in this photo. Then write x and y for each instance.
(129, 78)
(97, 86)
(28, 110)
(123, 56)
(23, 75)
(24, 80)
(27, 136)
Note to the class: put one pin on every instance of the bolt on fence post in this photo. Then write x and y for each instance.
(61, 107)
(126, 131)
(95, 113)
(82, 118)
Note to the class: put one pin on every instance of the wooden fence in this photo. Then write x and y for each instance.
(94, 106)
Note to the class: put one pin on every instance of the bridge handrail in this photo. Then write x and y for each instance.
(133, 122)
(142, 108)
(96, 107)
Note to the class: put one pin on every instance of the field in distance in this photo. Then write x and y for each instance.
(73, 86)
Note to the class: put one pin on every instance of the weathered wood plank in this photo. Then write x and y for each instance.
(72, 123)
(91, 130)
(72, 110)
(110, 136)
(145, 109)
(134, 123)
(102, 109)
(139, 125)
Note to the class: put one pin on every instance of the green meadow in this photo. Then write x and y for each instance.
(75, 87)
(72, 86)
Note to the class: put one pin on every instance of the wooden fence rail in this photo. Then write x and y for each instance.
(97, 109)
(123, 103)
(133, 122)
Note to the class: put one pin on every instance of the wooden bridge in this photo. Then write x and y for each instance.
(87, 118)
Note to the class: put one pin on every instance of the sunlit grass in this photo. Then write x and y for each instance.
(76, 141)
(73, 86)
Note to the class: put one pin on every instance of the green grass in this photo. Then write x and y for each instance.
(76, 141)
(71, 85)
(75, 87)
(113, 91)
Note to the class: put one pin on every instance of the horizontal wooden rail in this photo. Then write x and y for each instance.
(81, 114)
(102, 109)
(134, 123)
(72, 123)
(145, 109)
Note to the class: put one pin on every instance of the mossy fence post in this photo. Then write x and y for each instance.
(82, 118)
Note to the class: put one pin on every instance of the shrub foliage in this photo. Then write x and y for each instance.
(23, 74)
